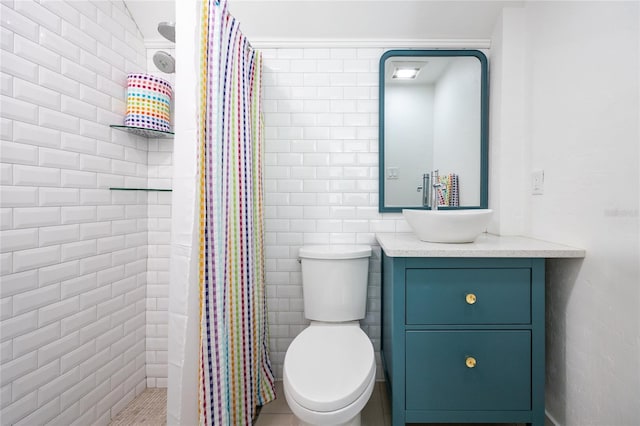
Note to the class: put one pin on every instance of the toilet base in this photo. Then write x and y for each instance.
(353, 422)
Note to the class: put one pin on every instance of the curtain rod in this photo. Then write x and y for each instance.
(287, 43)
(272, 43)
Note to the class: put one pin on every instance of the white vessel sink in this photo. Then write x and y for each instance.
(448, 226)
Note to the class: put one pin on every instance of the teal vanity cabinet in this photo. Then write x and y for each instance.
(463, 339)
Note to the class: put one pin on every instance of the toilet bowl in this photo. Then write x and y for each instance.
(329, 374)
(329, 368)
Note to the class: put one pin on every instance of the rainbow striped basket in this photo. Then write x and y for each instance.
(148, 102)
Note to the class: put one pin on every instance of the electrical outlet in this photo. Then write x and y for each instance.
(537, 182)
(392, 173)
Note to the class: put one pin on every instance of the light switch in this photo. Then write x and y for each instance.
(537, 182)
(392, 173)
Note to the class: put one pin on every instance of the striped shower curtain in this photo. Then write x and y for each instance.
(235, 372)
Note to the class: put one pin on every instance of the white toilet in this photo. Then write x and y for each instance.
(329, 369)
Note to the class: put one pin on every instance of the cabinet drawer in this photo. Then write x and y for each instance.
(439, 296)
(438, 378)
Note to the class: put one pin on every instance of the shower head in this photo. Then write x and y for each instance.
(167, 30)
(164, 62)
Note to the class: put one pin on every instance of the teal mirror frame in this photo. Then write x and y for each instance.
(484, 125)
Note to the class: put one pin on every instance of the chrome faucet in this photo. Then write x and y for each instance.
(435, 179)
(424, 188)
(430, 192)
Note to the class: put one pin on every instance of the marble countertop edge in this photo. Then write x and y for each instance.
(486, 245)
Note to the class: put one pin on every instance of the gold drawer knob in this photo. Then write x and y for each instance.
(470, 362)
(470, 298)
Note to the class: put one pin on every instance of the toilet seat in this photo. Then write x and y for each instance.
(347, 416)
(328, 366)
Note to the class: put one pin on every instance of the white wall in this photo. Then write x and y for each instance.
(159, 173)
(410, 123)
(581, 118)
(74, 253)
(457, 120)
(509, 173)
(159, 239)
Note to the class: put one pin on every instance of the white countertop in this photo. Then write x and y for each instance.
(486, 245)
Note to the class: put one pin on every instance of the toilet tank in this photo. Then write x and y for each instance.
(334, 281)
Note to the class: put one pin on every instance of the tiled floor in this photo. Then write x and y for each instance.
(147, 409)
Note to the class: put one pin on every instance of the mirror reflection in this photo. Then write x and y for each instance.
(433, 119)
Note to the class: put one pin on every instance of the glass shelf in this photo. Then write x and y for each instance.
(141, 189)
(141, 131)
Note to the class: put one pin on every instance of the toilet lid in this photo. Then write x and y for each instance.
(327, 367)
(333, 252)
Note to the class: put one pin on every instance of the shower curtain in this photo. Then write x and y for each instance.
(235, 372)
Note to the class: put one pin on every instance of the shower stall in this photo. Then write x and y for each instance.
(85, 243)
(89, 223)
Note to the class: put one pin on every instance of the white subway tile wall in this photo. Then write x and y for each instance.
(75, 256)
(159, 172)
(321, 175)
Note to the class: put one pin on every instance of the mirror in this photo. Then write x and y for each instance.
(435, 119)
